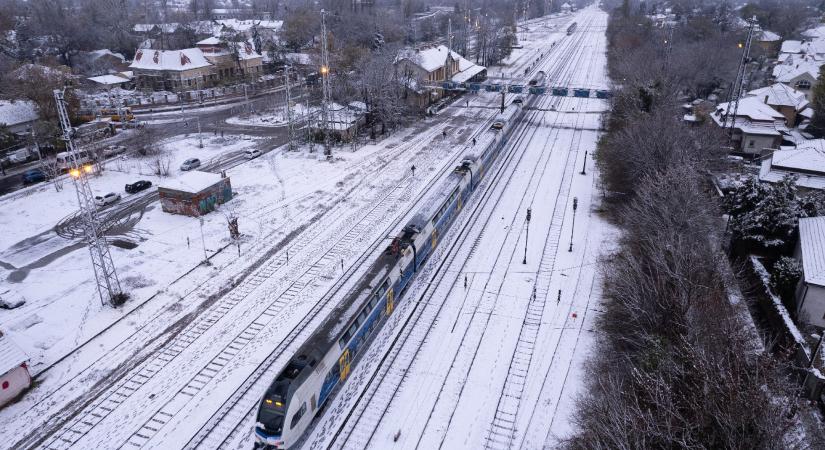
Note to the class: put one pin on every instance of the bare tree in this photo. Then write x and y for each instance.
(53, 172)
(160, 165)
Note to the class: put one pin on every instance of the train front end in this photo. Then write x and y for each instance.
(269, 426)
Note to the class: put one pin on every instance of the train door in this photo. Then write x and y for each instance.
(390, 302)
(435, 237)
(344, 362)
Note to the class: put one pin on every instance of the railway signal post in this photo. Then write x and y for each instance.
(526, 236)
(584, 164)
(573, 227)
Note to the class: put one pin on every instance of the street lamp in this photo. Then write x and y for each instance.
(573, 227)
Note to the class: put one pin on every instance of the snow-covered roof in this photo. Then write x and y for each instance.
(752, 108)
(358, 106)
(246, 25)
(194, 181)
(768, 36)
(779, 94)
(807, 161)
(246, 50)
(209, 41)
(429, 59)
(298, 58)
(178, 60)
(11, 356)
(791, 47)
(17, 112)
(814, 33)
(812, 244)
(106, 52)
(108, 80)
(470, 72)
(784, 73)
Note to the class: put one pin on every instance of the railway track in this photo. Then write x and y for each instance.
(533, 311)
(81, 425)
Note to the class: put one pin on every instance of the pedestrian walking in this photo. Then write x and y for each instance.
(465, 281)
(444, 134)
(413, 171)
(187, 241)
(474, 141)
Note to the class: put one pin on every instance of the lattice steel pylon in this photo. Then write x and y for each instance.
(739, 84)
(108, 285)
(325, 84)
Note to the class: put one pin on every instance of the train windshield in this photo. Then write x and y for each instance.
(271, 414)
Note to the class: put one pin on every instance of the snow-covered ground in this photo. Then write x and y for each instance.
(153, 372)
(488, 351)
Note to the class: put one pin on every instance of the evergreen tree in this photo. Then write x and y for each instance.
(817, 126)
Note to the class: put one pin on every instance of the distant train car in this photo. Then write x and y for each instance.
(537, 90)
(515, 89)
(571, 28)
(560, 92)
(496, 87)
(538, 80)
(603, 94)
(583, 93)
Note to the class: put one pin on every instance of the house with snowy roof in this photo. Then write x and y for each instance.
(810, 250)
(787, 101)
(757, 128)
(171, 70)
(420, 69)
(18, 115)
(800, 74)
(566, 8)
(231, 58)
(769, 41)
(806, 161)
(14, 371)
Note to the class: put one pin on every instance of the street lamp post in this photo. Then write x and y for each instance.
(573, 227)
(526, 236)
(584, 164)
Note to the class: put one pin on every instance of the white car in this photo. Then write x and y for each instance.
(252, 154)
(107, 199)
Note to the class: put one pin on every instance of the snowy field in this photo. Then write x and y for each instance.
(155, 371)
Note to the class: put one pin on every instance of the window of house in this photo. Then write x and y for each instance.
(751, 143)
(803, 84)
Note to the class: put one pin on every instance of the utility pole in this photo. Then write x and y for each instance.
(200, 136)
(739, 84)
(108, 285)
(290, 122)
(325, 84)
(526, 236)
(203, 243)
(573, 227)
(584, 164)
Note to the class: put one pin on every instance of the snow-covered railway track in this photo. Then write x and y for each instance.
(76, 425)
(232, 421)
(361, 422)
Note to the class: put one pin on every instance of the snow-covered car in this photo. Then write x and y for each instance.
(252, 154)
(191, 163)
(11, 304)
(107, 199)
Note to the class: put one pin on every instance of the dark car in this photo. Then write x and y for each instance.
(138, 186)
(33, 176)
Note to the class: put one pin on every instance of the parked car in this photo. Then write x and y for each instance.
(107, 199)
(138, 186)
(113, 150)
(11, 304)
(33, 176)
(191, 163)
(252, 154)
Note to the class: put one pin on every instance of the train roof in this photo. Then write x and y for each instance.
(434, 202)
(327, 334)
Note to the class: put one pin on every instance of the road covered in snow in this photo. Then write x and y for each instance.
(485, 350)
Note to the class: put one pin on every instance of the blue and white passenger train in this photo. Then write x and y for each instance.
(326, 358)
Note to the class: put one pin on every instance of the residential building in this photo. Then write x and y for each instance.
(243, 61)
(769, 41)
(757, 128)
(806, 161)
(172, 70)
(420, 69)
(801, 76)
(14, 371)
(18, 115)
(810, 293)
(787, 101)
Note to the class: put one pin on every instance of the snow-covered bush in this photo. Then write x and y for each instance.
(764, 214)
(785, 276)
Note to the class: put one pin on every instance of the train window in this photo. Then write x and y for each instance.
(363, 316)
(374, 300)
(383, 288)
(297, 416)
(352, 330)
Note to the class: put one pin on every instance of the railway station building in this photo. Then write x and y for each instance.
(195, 193)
